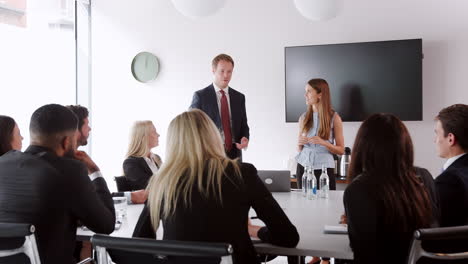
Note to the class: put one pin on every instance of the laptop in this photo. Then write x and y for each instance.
(276, 180)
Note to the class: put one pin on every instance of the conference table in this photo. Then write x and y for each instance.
(309, 217)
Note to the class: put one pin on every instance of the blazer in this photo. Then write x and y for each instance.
(452, 187)
(371, 240)
(53, 193)
(209, 221)
(137, 171)
(205, 100)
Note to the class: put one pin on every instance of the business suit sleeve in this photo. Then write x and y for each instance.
(361, 213)
(136, 173)
(449, 189)
(91, 202)
(144, 228)
(196, 101)
(245, 130)
(278, 230)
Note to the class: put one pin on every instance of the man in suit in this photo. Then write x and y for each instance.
(47, 187)
(225, 106)
(84, 249)
(451, 141)
(136, 197)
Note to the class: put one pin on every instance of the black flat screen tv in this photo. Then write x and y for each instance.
(364, 78)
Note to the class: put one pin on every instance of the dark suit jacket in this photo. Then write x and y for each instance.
(137, 172)
(452, 187)
(205, 100)
(207, 220)
(53, 193)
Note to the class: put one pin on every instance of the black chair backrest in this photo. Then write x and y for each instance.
(18, 243)
(443, 243)
(122, 184)
(154, 249)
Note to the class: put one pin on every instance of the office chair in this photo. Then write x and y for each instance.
(439, 238)
(143, 250)
(18, 244)
(122, 184)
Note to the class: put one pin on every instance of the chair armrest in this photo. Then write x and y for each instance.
(442, 233)
(16, 230)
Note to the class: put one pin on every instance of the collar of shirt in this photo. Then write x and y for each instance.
(151, 164)
(217, 89)
(451, 160)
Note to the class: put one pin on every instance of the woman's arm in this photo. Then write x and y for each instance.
(361, 216)
(278, 230)
(338, 147)
(136, 174)
(301, 139)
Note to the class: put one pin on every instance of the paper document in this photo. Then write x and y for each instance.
(336, 229)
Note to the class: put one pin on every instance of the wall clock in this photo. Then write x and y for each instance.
(145, 67)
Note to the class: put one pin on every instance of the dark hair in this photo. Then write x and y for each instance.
(221, 57)
(81, 112)
(383, 151)
(7, 125)
(50, 120)
(454, 119)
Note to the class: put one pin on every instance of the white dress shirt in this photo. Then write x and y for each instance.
(451, 160)
(152, 163)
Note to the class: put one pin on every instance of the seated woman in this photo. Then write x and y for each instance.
(10, 136)
(201, 195)
(141, 163)
(388, 198)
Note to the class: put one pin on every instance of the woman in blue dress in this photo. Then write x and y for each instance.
(320, 133)
(320, 136)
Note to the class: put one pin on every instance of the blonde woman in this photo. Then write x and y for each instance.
(140, 163)
(201, 195)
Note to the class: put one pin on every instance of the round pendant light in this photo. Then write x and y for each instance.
(198, 8)
(318, 10)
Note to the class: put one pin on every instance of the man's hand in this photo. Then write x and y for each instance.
(139, 197)
(244, 143)
(84, 157)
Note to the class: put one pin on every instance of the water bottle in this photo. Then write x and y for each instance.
(311, 186)
(304, 181)
(324, 183)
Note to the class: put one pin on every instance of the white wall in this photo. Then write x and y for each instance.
(255, 33)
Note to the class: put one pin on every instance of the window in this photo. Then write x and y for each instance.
(41, 62)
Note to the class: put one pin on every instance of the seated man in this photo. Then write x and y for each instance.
(452, 144)
(46, 187)
(82, 113)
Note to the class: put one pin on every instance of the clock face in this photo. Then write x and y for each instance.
(145, 67)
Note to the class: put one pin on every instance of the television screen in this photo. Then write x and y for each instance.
(364, 78)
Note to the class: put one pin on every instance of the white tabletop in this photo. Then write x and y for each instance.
(309, 217)
(126, 230)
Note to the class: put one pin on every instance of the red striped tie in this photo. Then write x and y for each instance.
(226, 121)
